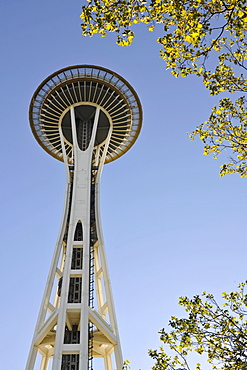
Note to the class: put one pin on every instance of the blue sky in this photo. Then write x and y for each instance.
(171, 225)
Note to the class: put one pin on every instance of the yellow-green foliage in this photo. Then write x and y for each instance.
(219, 332)
(194, 30)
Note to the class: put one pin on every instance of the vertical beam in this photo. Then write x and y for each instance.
(108, 362)
(98, 282)
(45, 362)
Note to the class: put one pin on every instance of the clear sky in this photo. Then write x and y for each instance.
(171, 225)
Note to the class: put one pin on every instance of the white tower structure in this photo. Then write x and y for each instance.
(84, 116)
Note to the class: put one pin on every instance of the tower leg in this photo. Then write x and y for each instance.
(32, 358)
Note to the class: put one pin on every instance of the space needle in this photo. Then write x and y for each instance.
(85, 116)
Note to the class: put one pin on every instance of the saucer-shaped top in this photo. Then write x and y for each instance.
(85, 87)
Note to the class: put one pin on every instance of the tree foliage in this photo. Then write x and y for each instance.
(217, 331)
(206, 38)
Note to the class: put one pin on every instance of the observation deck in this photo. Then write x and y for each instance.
(85, 87)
